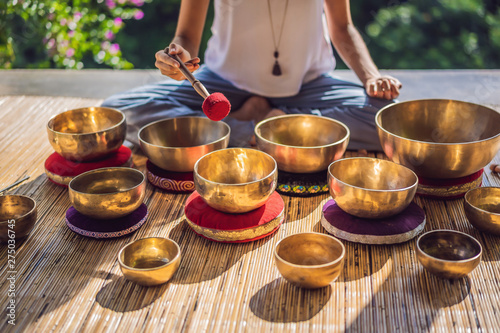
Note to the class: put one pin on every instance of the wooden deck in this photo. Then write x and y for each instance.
(66, 282)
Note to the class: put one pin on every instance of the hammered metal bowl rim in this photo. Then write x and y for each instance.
(346, 137)
(101, 170)
(333, 262)
(474, 206)
(141, 140)
(449, 261)
(25, 196)
(371, 189)
(87, 133)
(274, 171)
(379, 126)
(177, 255)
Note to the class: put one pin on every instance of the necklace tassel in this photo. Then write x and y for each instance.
(276, 69)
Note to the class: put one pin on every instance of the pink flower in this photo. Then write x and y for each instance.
(114, 48)
(118, 21)
(111, 4)
(109, 35)
(51, 43)
(77, 16)
(70, 52)
(139, 14)
(71, 33)
(63, 21)
(138, 3)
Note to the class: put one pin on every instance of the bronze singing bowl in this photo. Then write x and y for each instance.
(439, 138)
(150, 261)
(175, 144)
(235, 180)
(309, 260)
(482, 208)
(107, 193)
(302, 143)
(448, 254)
(18, 211)
(87, 134)
(370, 187)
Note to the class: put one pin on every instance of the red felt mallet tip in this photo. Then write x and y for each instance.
(216, 106)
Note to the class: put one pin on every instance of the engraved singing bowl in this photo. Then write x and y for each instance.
(235, 180)
(107, 193)
(439, 138)
(150, 261)
(482, 208)
(18, 211)
(175, 144)
(302, 143)
(448, 254)
(370, 187)
(87, 134)
(309, 260)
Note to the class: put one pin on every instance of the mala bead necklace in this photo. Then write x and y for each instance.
(276, 54)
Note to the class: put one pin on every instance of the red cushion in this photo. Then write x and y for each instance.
(200, 213)
(57, 165)
(448, 189)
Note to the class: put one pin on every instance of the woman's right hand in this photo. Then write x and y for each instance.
(170, 67)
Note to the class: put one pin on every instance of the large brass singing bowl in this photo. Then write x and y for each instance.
(150, 261)
(370, 187)
(482, 208)
(17, 217)
(439, 138)
(235, 180)
(175, 144)
(448, 254)
(310, 260)
(107, 193)
(87, 134)
(302, 143)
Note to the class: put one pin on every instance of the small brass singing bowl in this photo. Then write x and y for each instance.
(370, 187)
(302, 143)
(448, 254)
(482, 208)
(150, 261)
(235, 180)
(107, 193)
(310, 260)
(17, 217)
(439, 138)
(87, 134)
(175, 144)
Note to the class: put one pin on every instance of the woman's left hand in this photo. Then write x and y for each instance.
(384, 87)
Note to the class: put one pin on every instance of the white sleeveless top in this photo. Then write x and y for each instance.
(241, 47)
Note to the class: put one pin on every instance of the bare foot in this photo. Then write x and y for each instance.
(254, 108)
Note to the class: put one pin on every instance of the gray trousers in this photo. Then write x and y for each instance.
(328, 96)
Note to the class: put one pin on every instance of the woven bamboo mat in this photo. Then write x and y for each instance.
(66, 282)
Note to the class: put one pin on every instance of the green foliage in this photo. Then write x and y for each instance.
(50, 33)
(436, 34)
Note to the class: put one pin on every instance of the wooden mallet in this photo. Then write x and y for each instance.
(215, 106)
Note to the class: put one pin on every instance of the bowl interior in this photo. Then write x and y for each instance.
(235, 166)
(15, 207)
(86, 120)
(449, 245)
(440, 121)
(183, 132)
(149, 253)
(309, 249)
(301, 131)
(373, 174)
(106, 181)
(485, 198)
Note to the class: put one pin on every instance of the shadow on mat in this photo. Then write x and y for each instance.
(282, 302)
(301, 208)
(121, 295)
(203, 259)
